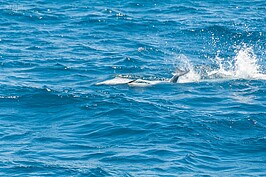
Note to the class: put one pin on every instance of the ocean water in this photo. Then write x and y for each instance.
(55, 120)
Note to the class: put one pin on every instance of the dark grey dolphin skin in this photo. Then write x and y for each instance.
(178, 73)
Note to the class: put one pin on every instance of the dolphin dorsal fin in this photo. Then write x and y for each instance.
(177, 74)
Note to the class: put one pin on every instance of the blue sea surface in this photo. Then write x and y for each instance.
(55, 120)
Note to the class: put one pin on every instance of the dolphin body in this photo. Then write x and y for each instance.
(141, 82)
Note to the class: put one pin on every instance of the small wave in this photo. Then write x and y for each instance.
(25, 12)
(233, 33)
(37, 96)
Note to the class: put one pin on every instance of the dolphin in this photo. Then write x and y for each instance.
(141, 82)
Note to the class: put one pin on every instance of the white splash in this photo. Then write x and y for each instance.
(222, 71)
(243, 66)
(192, 75)
(246, 65)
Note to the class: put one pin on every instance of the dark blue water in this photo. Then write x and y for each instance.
(55, 120)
